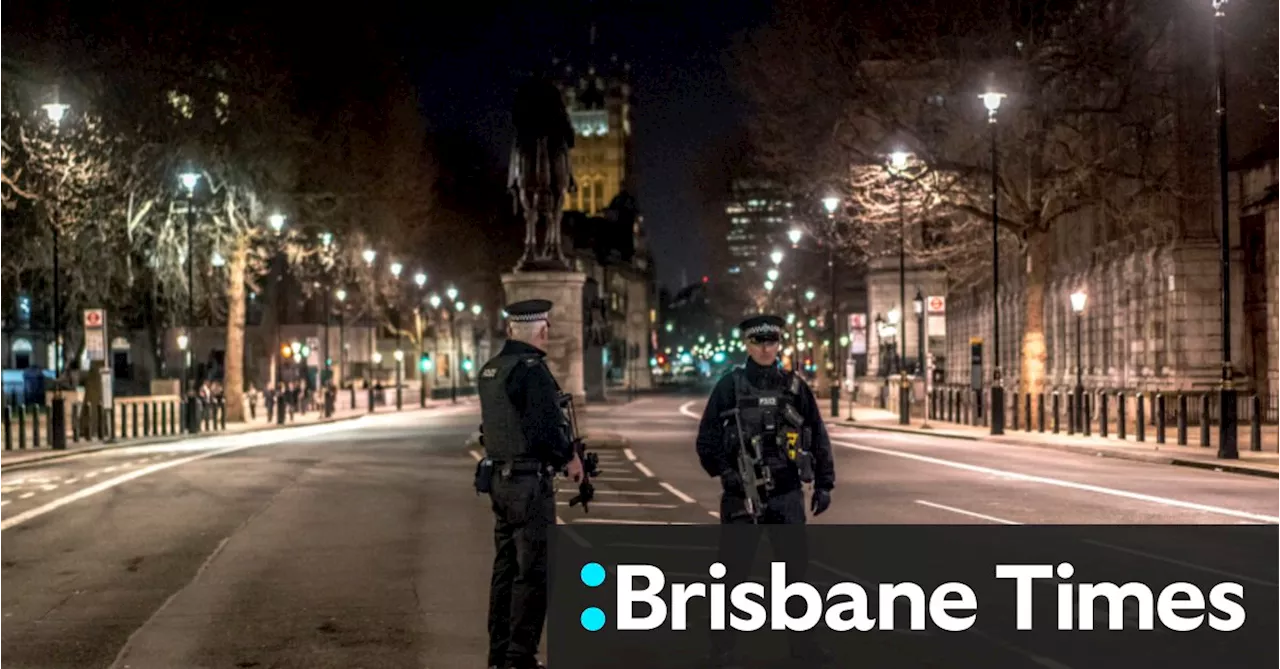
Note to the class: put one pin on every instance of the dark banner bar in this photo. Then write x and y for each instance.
(1053, 597)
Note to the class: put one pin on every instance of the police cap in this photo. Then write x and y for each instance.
(526, 311)
(762, 328)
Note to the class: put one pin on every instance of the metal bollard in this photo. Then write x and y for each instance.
(75, 421)
(1255, 425)
(222, 412)
(36, 413)
(1071, 413)
(352, 391)
(1040, 412)
(1204, 420)
(1182, 419)
(22, 428)
(146, 420)
(1056, 411)
(370, 399)
(8, 428)
(1121, 426)
(1159, 418)
(1026, 410)
(1014, 426)
(1086, 415)
(1104, 416)
(1141, 422)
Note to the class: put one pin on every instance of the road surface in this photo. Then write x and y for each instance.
(362, 543)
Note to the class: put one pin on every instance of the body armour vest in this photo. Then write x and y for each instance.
(761, 415)
(504, 440)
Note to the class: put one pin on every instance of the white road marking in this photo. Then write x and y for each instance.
(91, 474)
(475, 455)
(26, 495)
(1065, 484)
(1180, 563)
(962, 512)
(110, 469)
(618, 479)
(629, 505)
(672, 489)
(684, 409)
(643, 469)
(646, 493)
(630, 454)
(71, 480)
(6, 501)
(715, 514)
(254, 440)
(50, 487)
(611, 521)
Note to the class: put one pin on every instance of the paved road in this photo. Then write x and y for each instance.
(362, 544)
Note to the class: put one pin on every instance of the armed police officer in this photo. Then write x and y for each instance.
(526, 443)
(774, 416)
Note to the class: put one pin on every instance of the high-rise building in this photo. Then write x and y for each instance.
(759, 215)
(597, 94)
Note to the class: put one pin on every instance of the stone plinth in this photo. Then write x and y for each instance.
(564, 350)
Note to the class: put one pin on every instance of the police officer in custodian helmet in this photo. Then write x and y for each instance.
(778, 417)
(525, 443)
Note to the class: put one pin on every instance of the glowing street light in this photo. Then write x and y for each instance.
(776, 257)
(476, 309)
(420, 278)
(452, 293)
(434, 301)
(56, 111)
(369, 255)
(396, 268)
(794, 235)
(276, 221)
(189, 180)
(772, 274)
(831, 203)
(341, 295)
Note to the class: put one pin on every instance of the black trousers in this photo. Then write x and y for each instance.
(739, 543)
(524, 508)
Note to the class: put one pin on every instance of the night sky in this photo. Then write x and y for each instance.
(467, 61)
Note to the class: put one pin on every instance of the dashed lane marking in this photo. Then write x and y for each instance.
(962, 512)
(475, 455)
(674, 491)
(50, 487)
(644, 493)
(92, 474)
(628, 505)
(616, 479)
(643, 469)
(6, 501)
(71, 480)
(26, 495)
(630, 454)
(612, 521)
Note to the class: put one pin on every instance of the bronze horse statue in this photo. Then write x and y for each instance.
(539, 174)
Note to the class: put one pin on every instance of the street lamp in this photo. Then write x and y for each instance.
(772, 274)
(396, 268)
(991, 100)
(57, 425)
(776, 257)
(918, 303)
(420, 278)
(1078, 300)
(189, 181)
(341, 294)
(831, 203)
(276, 221)
(794, 234)
(1227, 448)
(369, 255)
(897, 162)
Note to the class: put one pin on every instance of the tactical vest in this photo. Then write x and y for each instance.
(761, 413)
(504, 440)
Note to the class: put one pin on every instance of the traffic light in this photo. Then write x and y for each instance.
(466, 364)
(285, 350)
(424, 362)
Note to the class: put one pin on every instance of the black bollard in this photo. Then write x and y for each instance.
(1071, 413)
(1182, 419)
(1104, 416)
(1014, 426)
(1056, 412)
(222, 412)
(36, 416)
(1040, 412)
(1204, 420)
(1026, 410)
(1121, 427)
(1255, 425)
(280, 409)
(75, 421)
(370, 399)
(1159, 410)
(22, 428)
(1141, 422)
(1086, 415)
(8, 428)
(146, 420)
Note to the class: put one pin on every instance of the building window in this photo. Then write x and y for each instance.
(22, 353)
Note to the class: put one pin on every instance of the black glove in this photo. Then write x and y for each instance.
(731, 481)
(820, 501)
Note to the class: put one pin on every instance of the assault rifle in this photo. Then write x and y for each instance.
(750, 466)
(590, 462)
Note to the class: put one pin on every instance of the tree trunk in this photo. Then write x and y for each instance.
(1033, 339)
(233, 381)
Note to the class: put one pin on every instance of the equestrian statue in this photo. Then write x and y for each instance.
(540, 173)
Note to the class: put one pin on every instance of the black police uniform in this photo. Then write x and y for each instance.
(760, 393)
(525, 441)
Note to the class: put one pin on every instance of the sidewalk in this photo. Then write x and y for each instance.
(14, 458)
(1263, 463)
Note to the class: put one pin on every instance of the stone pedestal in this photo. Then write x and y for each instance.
(564, 350)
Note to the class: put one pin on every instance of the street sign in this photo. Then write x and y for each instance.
(95, 318)
(857, 334)
(937, 304)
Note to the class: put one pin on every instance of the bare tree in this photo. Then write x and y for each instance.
(1085, 132)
